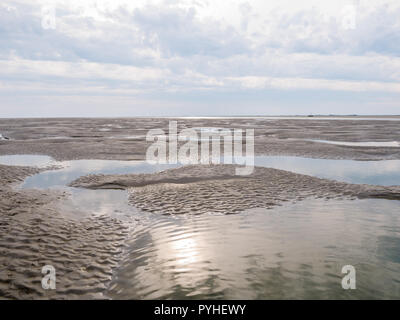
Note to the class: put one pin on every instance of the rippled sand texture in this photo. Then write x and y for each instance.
(215, 188)
(34, 231)
(33, 234)
(124, 139)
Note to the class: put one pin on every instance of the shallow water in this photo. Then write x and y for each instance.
(387, 144)
(83, 202)
(385, 172)
(295, 251)
(27, 160)
(74, 169)
(289, 252)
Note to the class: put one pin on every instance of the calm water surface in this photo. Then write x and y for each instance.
(76, 168)
(386, 144)
(27, 160)
(294, 251)
(386, 172)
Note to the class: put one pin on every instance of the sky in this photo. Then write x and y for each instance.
(104, 58)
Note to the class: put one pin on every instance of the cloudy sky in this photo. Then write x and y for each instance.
(199, 57)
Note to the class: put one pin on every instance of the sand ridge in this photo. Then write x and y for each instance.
(216, 189)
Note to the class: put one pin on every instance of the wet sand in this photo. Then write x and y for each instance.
(201, 189)
(124, 139)
(35, 232)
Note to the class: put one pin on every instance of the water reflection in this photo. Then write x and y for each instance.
(389, 248)
(82, 203)
(362, 144)
(76, 168)
(385, 172)
(27, 160)
(291, 252)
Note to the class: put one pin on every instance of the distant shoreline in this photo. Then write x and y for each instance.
(294, 117)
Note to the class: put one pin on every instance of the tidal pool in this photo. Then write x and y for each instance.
(83, 202)
(74, 169)
(387, 144)
(295, 251)
(27, 160)
(385, 172)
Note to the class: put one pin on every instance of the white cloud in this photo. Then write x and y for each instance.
(154, 47)
(316, 84)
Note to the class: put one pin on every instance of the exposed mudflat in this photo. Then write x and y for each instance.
(33, 234)
(124, 139)
(200, 189)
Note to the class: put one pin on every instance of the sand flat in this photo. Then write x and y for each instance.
(85, 252)
(84, 138)
(33, 234)
(215, 188)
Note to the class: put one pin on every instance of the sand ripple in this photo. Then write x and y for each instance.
(33, 234)
(215, 188)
